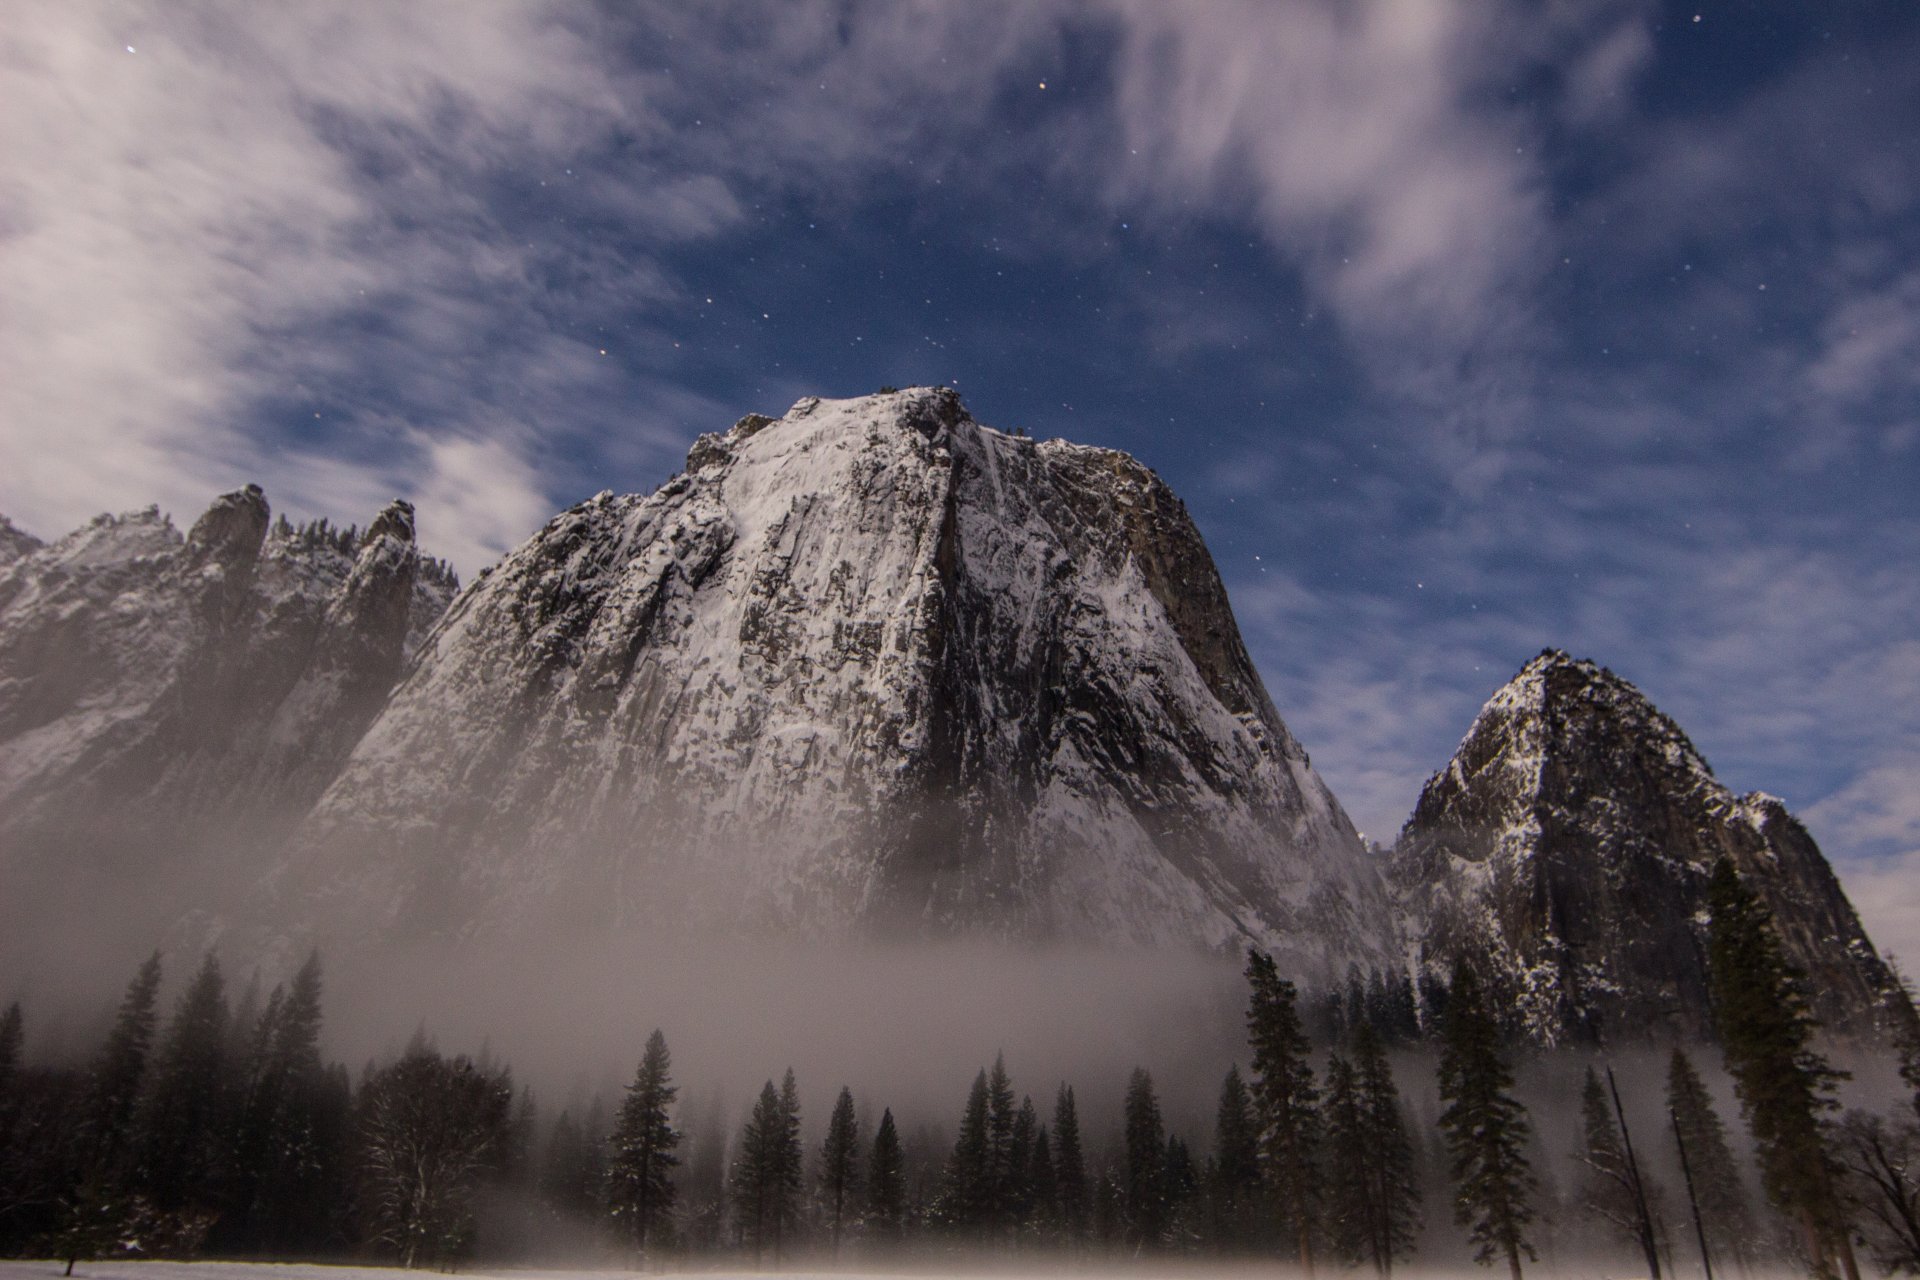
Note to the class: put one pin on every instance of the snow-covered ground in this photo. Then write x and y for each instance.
(305, 1271)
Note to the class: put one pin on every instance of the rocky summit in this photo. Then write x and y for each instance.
(868, 666)
(1566, 849)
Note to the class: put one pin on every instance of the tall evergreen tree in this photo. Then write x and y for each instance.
(1784, 1085)
(1724, 1214)
(1143, 1183)
(1019, 1191)
(967, 1196)
(1286, 1101)
(887, 1180)
(1002, 1192)
(792, 1165)
(1235, 1190)
(1180, 1186)
(1349, 1190)
(291, 1131)
(1043, 1186)
(765, 1193)
(1393, 1204)
(1485, 1126)
(1070, 1168)
(114, 1084)
(185, 1115)
(840, 1165)
(642, 1157)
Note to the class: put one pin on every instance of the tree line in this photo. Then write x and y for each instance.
(223, 1132)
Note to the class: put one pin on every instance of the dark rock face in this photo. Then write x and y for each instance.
(869, 666)
(1566, 848)
(159, 694)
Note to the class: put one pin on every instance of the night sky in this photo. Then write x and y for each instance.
(1464, 329)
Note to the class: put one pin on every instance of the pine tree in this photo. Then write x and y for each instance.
(1043, 1185)
(761, 1195)
(1393, 1200)
(1349, 1189)
(1180, 1183)
(1235, 1188)
(640, 1169)
(1785, 1087)
(791, 1166)
(887, 1181)
(1286, 1101)
(114, 1086)
(1710, 1162)
(840, 1164)
(291, 1131)
(966, 1198)
(185, 1115)
(1001, 1114)
(1070, 1167)
(1486, 1128)
(1143, 1184)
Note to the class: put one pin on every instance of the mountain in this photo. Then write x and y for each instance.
(168, 699)
(870, 666)
(1567, 845)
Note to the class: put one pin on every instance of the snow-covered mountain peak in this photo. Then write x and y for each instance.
(868, 664)
(1567, 845)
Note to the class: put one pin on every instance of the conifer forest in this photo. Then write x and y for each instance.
(210, 1127)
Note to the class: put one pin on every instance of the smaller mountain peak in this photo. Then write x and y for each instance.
(394, 521)
(235, 524)
(15, 541)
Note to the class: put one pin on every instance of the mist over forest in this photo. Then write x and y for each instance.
(766, 1072)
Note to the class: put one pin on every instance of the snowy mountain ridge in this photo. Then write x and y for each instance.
(169, 701)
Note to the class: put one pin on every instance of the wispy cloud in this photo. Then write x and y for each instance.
(189, 193)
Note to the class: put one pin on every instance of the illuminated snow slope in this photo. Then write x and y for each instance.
(869, 666)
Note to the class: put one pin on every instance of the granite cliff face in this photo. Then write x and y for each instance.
(870, 666)
(159, 693)
(1566, 848)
